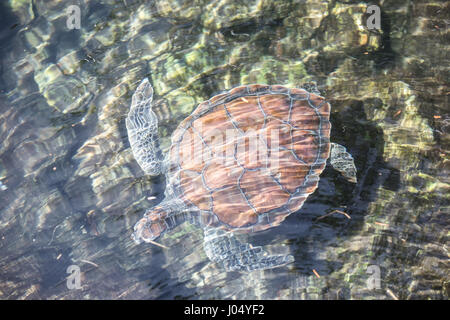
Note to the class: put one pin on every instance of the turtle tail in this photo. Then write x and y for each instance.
(142, 128)
(343, 162)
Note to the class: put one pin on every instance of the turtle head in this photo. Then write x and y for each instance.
(149, 228)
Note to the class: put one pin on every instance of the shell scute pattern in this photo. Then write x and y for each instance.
(213, 169)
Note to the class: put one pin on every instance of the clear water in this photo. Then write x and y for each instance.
(71, 191)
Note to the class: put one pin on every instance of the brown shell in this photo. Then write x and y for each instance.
(250, 157)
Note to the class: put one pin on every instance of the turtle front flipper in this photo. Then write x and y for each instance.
(343, 162)
(142, 128)
(223, 248)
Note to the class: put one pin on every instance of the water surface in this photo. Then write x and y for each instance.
(71, 191)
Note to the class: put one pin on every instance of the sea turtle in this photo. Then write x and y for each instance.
(241, 162)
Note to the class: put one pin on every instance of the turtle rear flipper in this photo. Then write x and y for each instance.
(224, 249)
(343, 162)
(142, 128)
